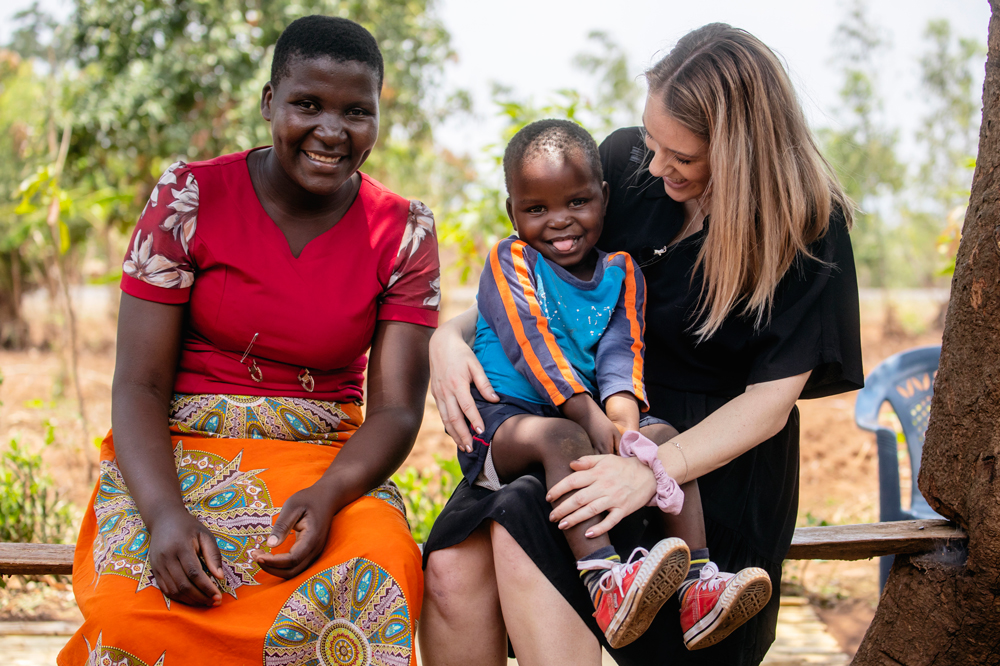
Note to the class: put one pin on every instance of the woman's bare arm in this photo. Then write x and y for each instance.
(454, 368)
(619, 487)
(149, 340)
(397, 387)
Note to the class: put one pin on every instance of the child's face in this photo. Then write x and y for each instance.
(557, 206)
(324, 120)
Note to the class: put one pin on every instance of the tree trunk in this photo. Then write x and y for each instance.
(944, 608)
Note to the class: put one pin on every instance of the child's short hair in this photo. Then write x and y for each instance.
(558, 136)
(326, 36)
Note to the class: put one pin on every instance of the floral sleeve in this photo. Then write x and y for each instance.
(414, 291)
(158, 265)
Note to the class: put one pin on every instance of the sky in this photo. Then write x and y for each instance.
(529, 45)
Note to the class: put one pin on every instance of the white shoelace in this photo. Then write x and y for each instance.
(616, 571)
(711, 577)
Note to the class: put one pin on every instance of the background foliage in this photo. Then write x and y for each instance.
(93, 109)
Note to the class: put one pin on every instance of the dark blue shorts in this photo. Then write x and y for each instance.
(495, 413)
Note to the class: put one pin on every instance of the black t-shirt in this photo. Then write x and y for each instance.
(814, 323)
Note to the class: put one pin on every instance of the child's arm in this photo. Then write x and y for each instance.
(603, 434)
(623, 410)
(619, 357)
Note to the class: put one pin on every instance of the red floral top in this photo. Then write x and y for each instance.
(205, 240)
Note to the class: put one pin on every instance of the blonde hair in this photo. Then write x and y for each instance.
(772, 192)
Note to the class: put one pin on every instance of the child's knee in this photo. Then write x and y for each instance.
(659, 432)
(568, 442)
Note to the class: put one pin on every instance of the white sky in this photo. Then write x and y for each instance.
(529, 45)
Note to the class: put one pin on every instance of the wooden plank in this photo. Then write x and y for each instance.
(833, 542)
(30, 559)
(55, 628)
(860, 542)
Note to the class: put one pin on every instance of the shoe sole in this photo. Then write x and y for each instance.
(657, 580)
(745, 596)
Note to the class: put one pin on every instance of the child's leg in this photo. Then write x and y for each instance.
(689, 524)
(713, 603)
(525, 441)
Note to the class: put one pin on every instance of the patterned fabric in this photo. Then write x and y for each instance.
(104, 655)
(233, 503)
(413, 251)
(389, 493)
(256, 417)
(356, 604)
(353, 614)
(173, 210)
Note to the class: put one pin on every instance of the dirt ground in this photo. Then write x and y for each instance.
(838, 461)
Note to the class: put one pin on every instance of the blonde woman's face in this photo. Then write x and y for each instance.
(680, 157)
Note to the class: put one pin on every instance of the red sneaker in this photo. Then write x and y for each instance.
(718, 603)
(632, 593)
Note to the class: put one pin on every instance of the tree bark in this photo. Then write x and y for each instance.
(944, 608)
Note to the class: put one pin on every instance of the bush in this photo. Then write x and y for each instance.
(30, 506)
(425, 493)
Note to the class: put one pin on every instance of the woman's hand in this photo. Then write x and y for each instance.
(178, 545)
(308, 513)
(454, 368)
(617, 485)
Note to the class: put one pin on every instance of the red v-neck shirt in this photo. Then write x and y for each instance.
(205, 240)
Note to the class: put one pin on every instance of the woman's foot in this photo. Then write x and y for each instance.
(717, 603)
(631, 594)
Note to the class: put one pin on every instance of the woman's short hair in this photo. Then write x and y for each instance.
(550, 135)
(326, 37)
(772, 192)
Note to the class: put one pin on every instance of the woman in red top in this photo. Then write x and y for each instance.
(254, 287)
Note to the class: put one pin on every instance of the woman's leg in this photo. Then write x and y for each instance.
(461, 621)
(544, 629)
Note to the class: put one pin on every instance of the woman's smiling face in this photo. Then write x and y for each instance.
(324, 121)
(680, 157)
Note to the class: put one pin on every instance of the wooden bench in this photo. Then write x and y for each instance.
(835, 542)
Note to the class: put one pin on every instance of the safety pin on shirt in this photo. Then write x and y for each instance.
(255, 373)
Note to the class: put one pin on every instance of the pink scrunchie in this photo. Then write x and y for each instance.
(669, 496)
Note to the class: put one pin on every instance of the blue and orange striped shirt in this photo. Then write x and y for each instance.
(544, 335)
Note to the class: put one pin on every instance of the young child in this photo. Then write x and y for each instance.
(560, 334)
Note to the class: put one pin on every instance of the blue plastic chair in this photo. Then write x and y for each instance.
(906, 381)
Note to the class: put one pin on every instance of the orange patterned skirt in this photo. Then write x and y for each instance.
(356, 605)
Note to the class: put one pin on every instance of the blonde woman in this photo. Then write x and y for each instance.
(742, 235)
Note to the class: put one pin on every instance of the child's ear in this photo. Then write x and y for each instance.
(266, 95)
(510, 215)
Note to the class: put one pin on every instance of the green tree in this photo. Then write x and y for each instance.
(615, 101)
(950, 129)
(863, 150)
(948, 134)
(183, 80)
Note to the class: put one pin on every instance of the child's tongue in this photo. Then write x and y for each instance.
(564, 245)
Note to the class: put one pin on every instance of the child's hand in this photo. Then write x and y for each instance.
(603, 434)
(623, 410)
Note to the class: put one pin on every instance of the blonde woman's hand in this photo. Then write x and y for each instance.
(612, 484)
(454, 368)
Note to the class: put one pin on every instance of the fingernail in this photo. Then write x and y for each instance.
(589, 535)
(563, 525)
(479, 431)
(548, 498)
(272, 541)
